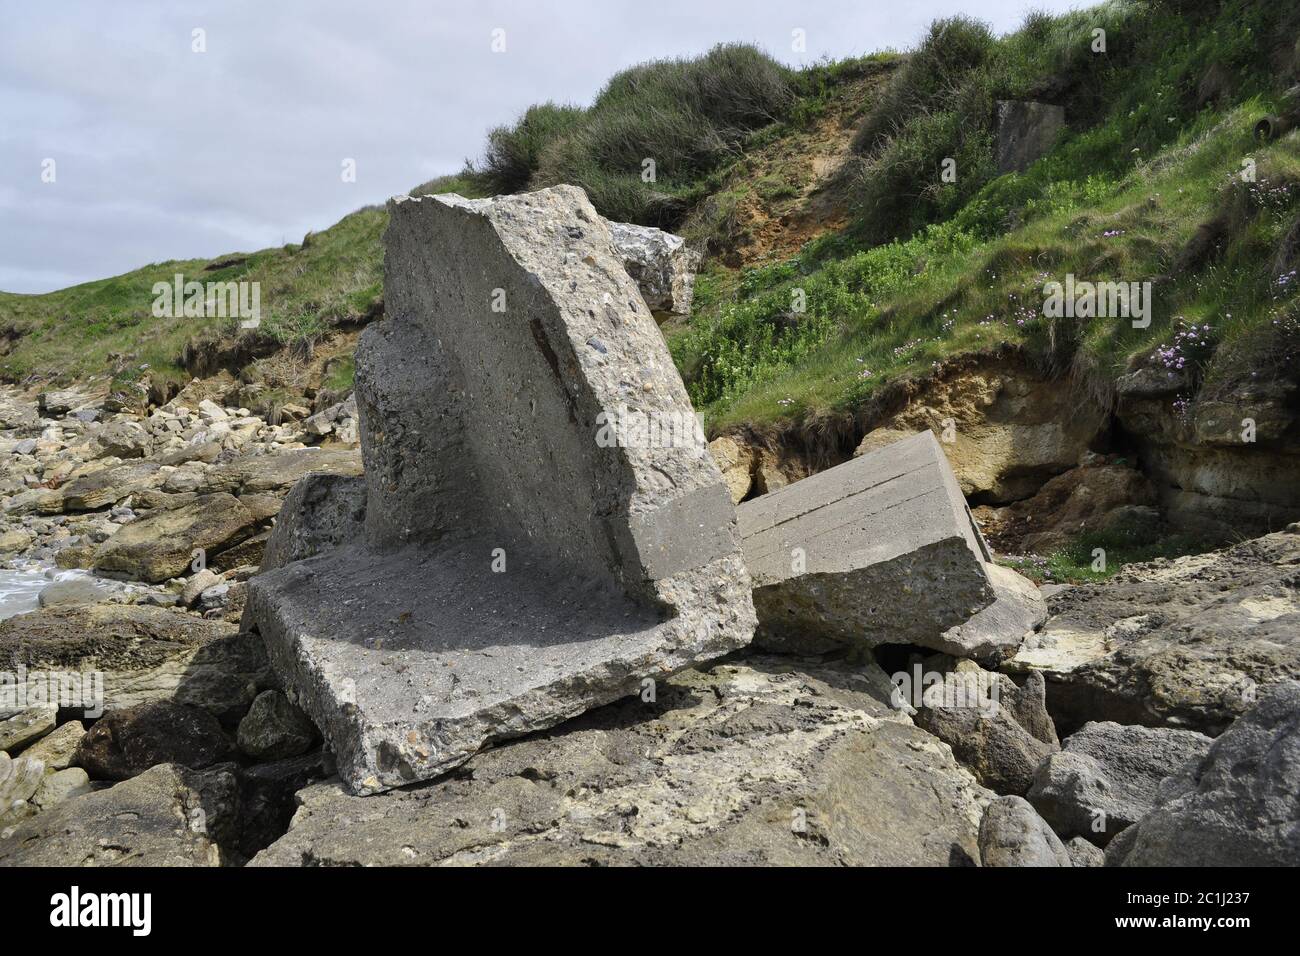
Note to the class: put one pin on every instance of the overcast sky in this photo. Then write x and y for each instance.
(163, 153)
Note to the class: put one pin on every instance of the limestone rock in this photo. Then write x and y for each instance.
(57, 748)
(167, 816)
(142, 654)
(13, 540)
(196, 585)
(274, 728)
(1012, 834)
(1106, 777)
(1209, 480)
(736, 462)
(19, 780)
(1026, 132)
(1237, 806)
(765, 761)
(511, 334)
(1004, 429)
(879, 550)
(1183, 643)
(160, 546)
(1003, 736)
(1099, 495)
(128, 742)
(61, 786)
(103, 487)
(59, 402)
(82, 590)
(26, 727)
(250, 474)
(1084, 853)
(123, 439)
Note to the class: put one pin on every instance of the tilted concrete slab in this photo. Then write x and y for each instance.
(879, 550)
(508, 569)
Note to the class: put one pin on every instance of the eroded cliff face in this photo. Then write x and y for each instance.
(1227, 463)
(1042, 459)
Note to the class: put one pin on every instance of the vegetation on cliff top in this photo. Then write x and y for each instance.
(1145, 184)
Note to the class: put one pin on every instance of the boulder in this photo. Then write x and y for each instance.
(1026, 133)
(321, 512)
(1235, 807)
(132, 654)
(1107, 776)
(25, 727)
(104, 487)
(1002, 736)
(1188, 642)
(57, 748)
(59, 402)
(79, 590)
(662, 264)
(736, 462)
(248, 553)
(123, 439)
(777, 761)
(128, 742)
(196, 585)
(1085, 853)
(167, 816)
(161, 545)
(61, 786)
(13, 540)
(878, 550)
(1012, 834)
(20, 778)
(274, 728)
(250, 473)
(515, 568)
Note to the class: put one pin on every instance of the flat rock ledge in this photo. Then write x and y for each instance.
(764, 761)
(510, 570)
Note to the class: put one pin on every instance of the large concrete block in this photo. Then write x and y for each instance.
(1026, 132)
(511, 567)
(879, 550)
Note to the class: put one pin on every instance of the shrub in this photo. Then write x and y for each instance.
(514, 152)
(952, 48)
(687, 116)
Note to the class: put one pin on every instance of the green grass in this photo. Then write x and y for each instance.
(1079, 561)
(643, 148)
(107, 326)
(1117, 200)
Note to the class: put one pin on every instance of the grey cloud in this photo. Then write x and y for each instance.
(167, 154)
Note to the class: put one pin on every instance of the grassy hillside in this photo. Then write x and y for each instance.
(332, 278)
(929, 269)
(840, 259)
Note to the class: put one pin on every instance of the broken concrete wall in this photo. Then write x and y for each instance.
(880, 550)
(514, 568)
